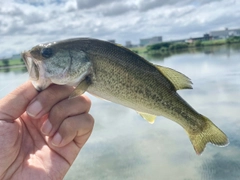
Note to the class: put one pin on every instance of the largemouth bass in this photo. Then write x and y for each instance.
(115, 73)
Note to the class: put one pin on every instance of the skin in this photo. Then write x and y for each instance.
(42, 133)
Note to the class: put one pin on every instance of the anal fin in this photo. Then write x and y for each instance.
(148, 117)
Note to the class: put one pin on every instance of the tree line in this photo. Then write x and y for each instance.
(171, 46)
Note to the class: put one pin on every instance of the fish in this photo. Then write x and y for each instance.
(115, 73)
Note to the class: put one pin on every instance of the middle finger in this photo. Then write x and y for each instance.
(62, 110)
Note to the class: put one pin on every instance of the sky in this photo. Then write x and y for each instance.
(25, 23)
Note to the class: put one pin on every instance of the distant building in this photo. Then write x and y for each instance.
(128, 44)
(16, 56)
(223, 34)
(149, 41)
(111, 40)
(207, 37)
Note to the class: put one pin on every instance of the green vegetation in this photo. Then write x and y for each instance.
(11, 62)
(213, 42)
(166, 48)
(139, 50)
(234, 39)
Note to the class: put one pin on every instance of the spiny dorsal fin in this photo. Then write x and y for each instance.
(148, 117)
(179, 80)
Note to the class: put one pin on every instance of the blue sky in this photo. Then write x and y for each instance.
(25, 23)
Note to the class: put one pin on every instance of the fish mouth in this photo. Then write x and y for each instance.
(32, 68)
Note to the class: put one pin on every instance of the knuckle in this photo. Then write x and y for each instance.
(55, 92)
(86, 102)
(47, 96)
(68, 124)
(89, 120)
(77, 125)
(59, 110)
(51, 93)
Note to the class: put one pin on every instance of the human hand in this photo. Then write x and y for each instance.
(31, 147)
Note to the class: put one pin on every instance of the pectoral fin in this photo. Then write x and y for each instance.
(81, 88)
(179, 80)
(148, 117)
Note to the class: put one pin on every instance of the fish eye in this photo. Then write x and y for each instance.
(46, 52)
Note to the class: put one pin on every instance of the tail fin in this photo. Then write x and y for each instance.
(211, 133)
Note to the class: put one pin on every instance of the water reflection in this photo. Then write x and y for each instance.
(10, 78)
(124, 146)
(16, 70)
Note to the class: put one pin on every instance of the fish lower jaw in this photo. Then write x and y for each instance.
(41, 84)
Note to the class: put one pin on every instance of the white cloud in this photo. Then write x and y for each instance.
(31, 21)
(87, 4)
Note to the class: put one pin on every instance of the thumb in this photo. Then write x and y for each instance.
(14, 104)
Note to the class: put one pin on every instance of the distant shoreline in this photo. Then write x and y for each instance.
(164, 48)
(172, 47)
(12, 66)
(11, 63)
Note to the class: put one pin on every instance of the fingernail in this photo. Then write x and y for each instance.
(34, 108)
(46, 127)
(56, 139)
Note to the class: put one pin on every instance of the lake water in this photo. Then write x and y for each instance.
(124, 146)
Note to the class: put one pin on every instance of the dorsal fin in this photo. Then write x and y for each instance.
(179, 80)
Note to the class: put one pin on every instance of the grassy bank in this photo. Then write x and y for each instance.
(11, 62)
(172, 47)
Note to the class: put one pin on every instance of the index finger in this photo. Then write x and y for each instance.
(46, 99)
(14, 104)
